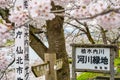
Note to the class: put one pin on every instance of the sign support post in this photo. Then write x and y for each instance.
(112, 71)
(73, 67)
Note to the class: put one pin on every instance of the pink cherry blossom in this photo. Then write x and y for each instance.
(109, 21)
(86, 1)
(3, 28)
(5, 3)
(63, 3)
(82, 12)
(19, 17)
(3, 61)
(4, 34)
(40, 11)
(98, 7)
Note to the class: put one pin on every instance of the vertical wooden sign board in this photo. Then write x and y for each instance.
(51, 58)
(93, 58)
(22, 50)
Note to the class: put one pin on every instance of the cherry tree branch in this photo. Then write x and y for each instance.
(91, 17)
(70, 34)
(63, 10)
(76, 35)
(76, 26)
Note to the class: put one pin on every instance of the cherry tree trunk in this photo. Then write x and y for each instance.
(56, 40)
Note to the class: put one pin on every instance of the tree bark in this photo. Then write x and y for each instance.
(103, 32)
(56, 42)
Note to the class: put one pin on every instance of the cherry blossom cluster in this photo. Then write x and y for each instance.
(10, 75)
(40, 10)
(63, 2)
(19, 17)
(115, 3)
(80, 13)
(4, 35)
(4, 31)
(5, 3)
(85, 1)
(98, 7)
(38, 22)
(3, 38)
(3, 28)
(89, 10)
(4, 60)
(109, 21)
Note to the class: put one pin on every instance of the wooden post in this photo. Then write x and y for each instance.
(73, 64)
(51, 58)
(112, 72)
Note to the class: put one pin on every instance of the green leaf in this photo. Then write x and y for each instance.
(1, 21)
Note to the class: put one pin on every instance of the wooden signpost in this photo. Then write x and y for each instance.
(59, 64)
(41, 69)
(22, 49)
(48, 68)
(93, 58)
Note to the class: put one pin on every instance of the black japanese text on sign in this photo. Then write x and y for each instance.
(19, 54)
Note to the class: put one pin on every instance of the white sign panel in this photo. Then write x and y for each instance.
(19, 54)
(92, 59)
